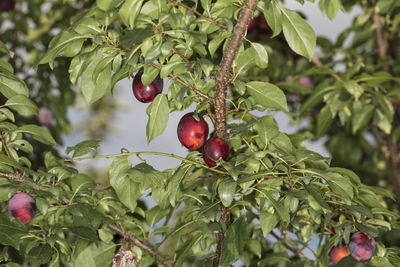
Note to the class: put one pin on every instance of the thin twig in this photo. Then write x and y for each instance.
(176, 3)
(173, 77)
(173, 48)
(139, 244)
(7, 151)
(286, 245)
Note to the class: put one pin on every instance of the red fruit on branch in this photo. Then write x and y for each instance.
(192, 133)
(45, 116)
(337, 253)
(146, 94)
(7, 5)
(361, 247)
(22, 207)
(214, 149)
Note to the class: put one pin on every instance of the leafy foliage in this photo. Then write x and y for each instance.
(273, 186)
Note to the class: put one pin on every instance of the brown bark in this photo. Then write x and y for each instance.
(222, 79)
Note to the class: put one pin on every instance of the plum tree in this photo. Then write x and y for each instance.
(270, 198)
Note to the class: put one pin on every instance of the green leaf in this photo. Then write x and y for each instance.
(226, 192)
(84, 147)
(266, 129)
(11, 231)
(324, 120)
(11, 86)
(234, 241)
(58, 43)
(260, 55)
(330, 7)
(83, 232)
(316, 194)
(126, 189)
(129, 11)
(91, 89)
(353, 88)
(9, 161)
(22, 104)
(282, 212)
(38, 133)
(173, 187)
(268, 221)
(96, 255)
(362, 117)
(273, 16)
(105, 4)
(147, 176)
(298, 33)
(158, 112)
(267, 95)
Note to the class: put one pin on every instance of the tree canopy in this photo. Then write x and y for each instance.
(234, 64)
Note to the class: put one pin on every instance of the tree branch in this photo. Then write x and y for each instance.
(173, 77)
(176, 3)
(286, 245)
(113, 227)
(139, 244)
(4, 144)
(226, 64)
(222, 80)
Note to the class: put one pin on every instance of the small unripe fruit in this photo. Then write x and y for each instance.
(214, 149)
(192, 133)
(361, 247)
(45, 116)
(7, 5)
(22, 207)
(337, 253)
(146, 94)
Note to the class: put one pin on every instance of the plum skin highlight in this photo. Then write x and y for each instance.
(214, 149)
(192, 133)
(146, 94)
(22, 207)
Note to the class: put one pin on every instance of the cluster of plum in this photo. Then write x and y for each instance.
(360, 247)
(192, 128)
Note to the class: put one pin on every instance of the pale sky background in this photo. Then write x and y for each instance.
(131, 121)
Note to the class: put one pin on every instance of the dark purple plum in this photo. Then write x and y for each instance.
(22, 207)
(214, 149)
(361, 247)
(192, 133)
(7, 5)
(146, 94)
